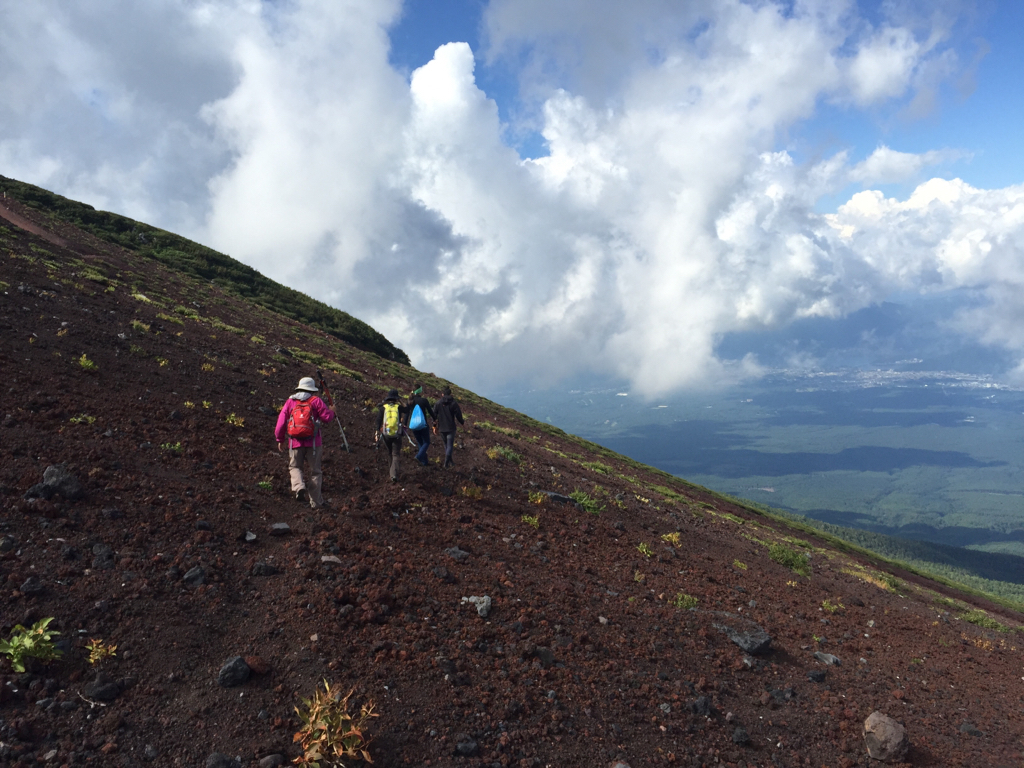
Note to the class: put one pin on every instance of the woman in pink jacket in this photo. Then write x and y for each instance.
(299, 423)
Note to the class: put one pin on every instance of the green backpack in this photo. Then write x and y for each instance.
(392, 424)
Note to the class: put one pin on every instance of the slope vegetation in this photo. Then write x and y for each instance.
(604, 640)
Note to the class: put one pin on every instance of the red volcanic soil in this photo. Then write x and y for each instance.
(584, 659)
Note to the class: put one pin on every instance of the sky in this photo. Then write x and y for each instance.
(673, 194)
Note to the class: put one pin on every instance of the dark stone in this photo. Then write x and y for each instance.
(264, 569)
(466, 746)
(558, 498)
(113, 513)
(194, 577)
(970, 729)
(444, 575)
(457, 554)
(545, 656)
(280, 529)
(234, 672)
(57, 481)
(203, 525)
(816, 675)
(102, 689)
(272, 761)
(740, 736)
(32, 586)
(742, 631)
(220, 760)
(701, 706)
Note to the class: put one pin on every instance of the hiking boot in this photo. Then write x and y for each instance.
(300, 495)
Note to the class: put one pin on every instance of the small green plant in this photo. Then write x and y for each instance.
(207, 404)
(169, 318)
(472, 492)
(531, 520)
(186, 311)
(99, 650)
(798, 562)
(645, 549)
(265, 485)
(329, 733)
(140, 326)
(207, 367)
(638, 577)
(501, 452)
(257, 339)
(831, 607)
(737, 564)
(135, 349)
(171, 447)
(142, 297)
(982, 619)
(507, 431)
(817, 639)
(189, 404)
(596, 466)
(674, 538)
(82, 419)
(684, 601)
(35, 642)
(586, 502)
(235, 421)
(162, 361)
(538, 497)
(888, 581)
(87, 365)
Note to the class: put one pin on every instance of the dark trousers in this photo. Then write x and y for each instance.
(393, 445)
(448, 438)
(423, 440)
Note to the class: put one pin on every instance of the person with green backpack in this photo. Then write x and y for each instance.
(419, 410)
(390, 417)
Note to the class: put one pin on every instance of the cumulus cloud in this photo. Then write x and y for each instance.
(665, 216)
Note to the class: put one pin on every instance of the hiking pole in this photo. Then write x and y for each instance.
(330, 402)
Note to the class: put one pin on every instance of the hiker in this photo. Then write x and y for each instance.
(447, 413)
(418, 424)
(390, 415)
(299, 422)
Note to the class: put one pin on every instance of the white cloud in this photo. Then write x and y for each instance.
(664, 218)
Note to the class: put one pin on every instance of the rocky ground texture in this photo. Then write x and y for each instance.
(656, 629)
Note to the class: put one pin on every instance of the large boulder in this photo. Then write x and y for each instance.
(885, 739)
(57, 481)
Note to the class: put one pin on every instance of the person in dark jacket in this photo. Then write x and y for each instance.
(389, 427)
(422, 434)
(447, 414)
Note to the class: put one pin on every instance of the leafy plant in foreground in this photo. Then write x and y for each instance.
(531, 520)
(36, 642)
(684, 601)
(99, 650)
(586, 502)
(329, 732)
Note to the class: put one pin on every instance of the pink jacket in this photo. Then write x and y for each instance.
(322, 413)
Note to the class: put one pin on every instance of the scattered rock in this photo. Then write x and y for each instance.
(102, 689)
(482, 603)
(264, 569)
(816, 675)
(234, 672)
(7, 543)
(740, 736)
(280, 529)
(970, 729)
(103, 557)
(331, 559)
(32, 586)
(57, 481)
(885, 739)
(272, 761)
(220, 760)
(194, 577)
(444, 575)
(150, 752)
(203, 525)
(701, 706)
(559, 498)
(828, 659)
(465, 746)
(742, 631)
(249, 537)
(457, 554)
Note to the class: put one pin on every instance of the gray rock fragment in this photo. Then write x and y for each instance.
(57, 481)
(885, 739)
(742, 631)
(220, 760)
(234, 672)
(32, 586)
(272, 761)
(102, 689)
(194, 577)
(280, 529)
(482, 604)
(457, 554)
(828, 659)
(970, 729)
(264, 569)
(740, 736)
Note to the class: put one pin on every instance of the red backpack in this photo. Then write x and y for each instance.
(301, 422)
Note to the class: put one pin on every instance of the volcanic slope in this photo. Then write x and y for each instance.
(159, 392)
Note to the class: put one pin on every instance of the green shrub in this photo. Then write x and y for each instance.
(596, 466)
(684, 601)
(507, 431)
(586, 502)
(531, 520)
(798, 562)
(501, 452)
(36, 642)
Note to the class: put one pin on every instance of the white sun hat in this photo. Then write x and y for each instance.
(307, 385)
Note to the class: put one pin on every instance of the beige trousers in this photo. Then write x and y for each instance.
(297, 457)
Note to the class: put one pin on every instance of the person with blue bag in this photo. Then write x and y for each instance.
(419, 410)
